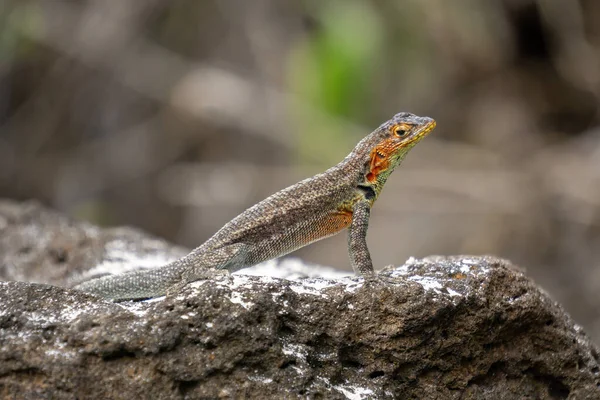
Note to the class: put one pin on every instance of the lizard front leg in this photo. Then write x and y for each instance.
(360, 258)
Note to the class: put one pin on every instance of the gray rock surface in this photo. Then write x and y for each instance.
(447, 328)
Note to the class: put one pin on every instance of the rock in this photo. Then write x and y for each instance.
(40, 245)
(443, 327)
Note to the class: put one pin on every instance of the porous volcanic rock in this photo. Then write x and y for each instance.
(440, 327)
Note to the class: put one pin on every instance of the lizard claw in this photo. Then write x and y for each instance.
(203, 275)
(376, 279)
(213, 272)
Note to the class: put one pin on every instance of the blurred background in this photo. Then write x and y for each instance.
(176, 115)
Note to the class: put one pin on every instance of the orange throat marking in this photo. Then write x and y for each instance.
(379, 160)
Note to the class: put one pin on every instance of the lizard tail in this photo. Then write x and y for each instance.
(136, 285)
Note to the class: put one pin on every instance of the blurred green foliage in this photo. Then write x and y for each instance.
(333, 68)
(24, 20)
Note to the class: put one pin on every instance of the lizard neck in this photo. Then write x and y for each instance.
(382, 177)
(370, 167)
(356, 166)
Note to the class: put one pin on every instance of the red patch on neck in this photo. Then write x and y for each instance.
(379, 162)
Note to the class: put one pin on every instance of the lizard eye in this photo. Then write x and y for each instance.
(401, 130)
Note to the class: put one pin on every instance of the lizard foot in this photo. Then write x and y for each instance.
(381, 286)
(202, 275)
(379, 279)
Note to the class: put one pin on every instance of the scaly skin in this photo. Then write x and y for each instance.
(310, 210)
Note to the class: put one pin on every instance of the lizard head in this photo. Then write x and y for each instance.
(391, 142)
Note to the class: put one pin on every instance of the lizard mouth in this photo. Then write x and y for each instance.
(420, 134)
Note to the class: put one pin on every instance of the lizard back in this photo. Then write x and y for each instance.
(310, 210)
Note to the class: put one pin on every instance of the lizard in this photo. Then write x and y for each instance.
(311, 210)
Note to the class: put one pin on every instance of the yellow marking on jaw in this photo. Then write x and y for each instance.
(424, 132)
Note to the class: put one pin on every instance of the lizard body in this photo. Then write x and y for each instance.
(310, 210)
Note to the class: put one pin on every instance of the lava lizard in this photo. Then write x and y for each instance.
(310, 210)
